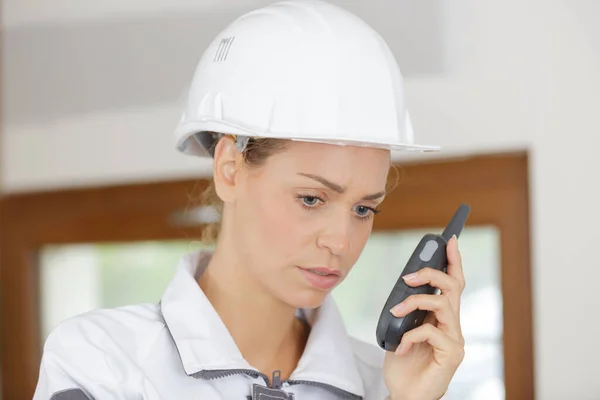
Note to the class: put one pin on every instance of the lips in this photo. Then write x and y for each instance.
(324, 271)
(321, 278)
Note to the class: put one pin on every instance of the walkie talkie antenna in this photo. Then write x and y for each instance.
(457, 222)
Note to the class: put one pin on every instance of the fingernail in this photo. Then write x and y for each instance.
(398, 308)
(408, 277)
(456, 240)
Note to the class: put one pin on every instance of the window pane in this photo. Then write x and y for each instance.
(79, 278)
(362, 295)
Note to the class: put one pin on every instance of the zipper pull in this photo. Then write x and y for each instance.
(276, 379)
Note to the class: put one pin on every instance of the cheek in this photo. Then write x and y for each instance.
(275, 225)
(360, 235)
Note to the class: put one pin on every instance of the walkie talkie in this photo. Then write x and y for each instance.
(430, 252)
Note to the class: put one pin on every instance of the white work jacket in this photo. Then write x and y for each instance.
(180, 349)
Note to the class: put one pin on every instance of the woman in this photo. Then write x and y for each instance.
(299, 105)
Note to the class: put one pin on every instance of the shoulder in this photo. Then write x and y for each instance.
(99, 353)
(128, 329)
(369, 361)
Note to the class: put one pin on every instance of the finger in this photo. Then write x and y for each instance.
(448, 285)
(431, 319)
(440, 305)
(425, 333)
(455, 267)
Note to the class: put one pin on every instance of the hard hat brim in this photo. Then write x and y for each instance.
(187, 145)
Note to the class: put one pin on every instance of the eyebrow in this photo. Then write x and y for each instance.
(338, 188)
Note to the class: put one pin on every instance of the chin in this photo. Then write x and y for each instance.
(306, 298)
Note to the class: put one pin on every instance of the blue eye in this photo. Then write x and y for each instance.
(310, 201)
(365, 212)
(362, 210)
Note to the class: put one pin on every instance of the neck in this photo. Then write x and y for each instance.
(265, 329)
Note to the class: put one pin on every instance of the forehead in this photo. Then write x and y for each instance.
(345, 165)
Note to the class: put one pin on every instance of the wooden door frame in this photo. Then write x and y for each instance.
(496, 187)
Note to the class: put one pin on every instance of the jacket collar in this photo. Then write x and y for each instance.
(204, 343)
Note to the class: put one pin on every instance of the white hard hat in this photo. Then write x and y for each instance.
(303, 70)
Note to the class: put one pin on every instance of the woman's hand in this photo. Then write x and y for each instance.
(428, 356)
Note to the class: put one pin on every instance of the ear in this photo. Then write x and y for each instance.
(226, 167)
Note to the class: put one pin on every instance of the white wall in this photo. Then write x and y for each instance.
(25, 12)
(566, 195)
(519, 75)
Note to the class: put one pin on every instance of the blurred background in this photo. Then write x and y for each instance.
(95, 199)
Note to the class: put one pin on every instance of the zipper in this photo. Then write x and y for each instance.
(342, 394)
(276, 379)
(277, 383)
(223, 373)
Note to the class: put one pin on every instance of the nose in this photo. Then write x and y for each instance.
(336, 236)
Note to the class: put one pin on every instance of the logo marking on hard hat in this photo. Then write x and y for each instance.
(223, 49)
